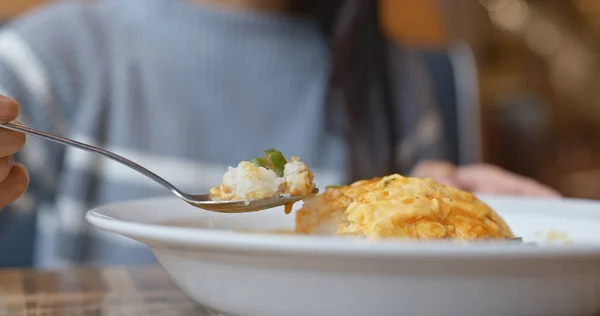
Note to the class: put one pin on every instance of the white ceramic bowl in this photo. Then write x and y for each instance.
(247, 274)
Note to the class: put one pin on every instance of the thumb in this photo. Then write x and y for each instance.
(9, 109)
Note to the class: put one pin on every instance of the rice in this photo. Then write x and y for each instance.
(248, 181)
(299, 180)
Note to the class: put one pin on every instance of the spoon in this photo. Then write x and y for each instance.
(202, 201)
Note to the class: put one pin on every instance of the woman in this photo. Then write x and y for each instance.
(189, 87)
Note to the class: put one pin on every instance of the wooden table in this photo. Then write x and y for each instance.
(93, 291)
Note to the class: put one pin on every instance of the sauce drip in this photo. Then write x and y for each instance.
(288, 208)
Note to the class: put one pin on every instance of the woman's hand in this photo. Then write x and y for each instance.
(482, 178)
(13, 177)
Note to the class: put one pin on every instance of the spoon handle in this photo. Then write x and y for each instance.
(96, 150)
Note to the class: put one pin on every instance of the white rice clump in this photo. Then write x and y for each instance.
(248, 181)
(299, 180)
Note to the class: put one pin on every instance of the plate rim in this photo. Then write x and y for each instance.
(222, 240)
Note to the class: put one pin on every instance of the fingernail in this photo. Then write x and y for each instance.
(11, 162)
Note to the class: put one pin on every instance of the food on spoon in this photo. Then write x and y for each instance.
(298, 178)
(265, 177)
(397, 206)
(247, 182)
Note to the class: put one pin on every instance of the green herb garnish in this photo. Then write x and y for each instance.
(275, 161)
(259, 162)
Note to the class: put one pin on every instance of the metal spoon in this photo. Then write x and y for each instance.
(202, 201)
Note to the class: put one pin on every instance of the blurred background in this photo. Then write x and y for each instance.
(522, 74)
(533, 83)
(537, 80)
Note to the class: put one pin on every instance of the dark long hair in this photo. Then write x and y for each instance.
(360, 79)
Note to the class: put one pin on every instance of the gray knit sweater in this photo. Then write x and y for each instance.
(183, 89)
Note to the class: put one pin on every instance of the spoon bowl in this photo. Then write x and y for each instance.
(202, 201)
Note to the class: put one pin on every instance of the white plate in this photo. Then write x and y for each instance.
(247, 274)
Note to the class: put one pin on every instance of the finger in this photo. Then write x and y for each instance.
(533, 188)
(519, 185)
(9, 109)
(476, 179)
(492, 180)
(6, 164)
(487, 177)
(10, 142)
(451, 182)
(436, 170)
(14, 186)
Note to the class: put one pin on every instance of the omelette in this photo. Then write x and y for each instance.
(400, 207)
